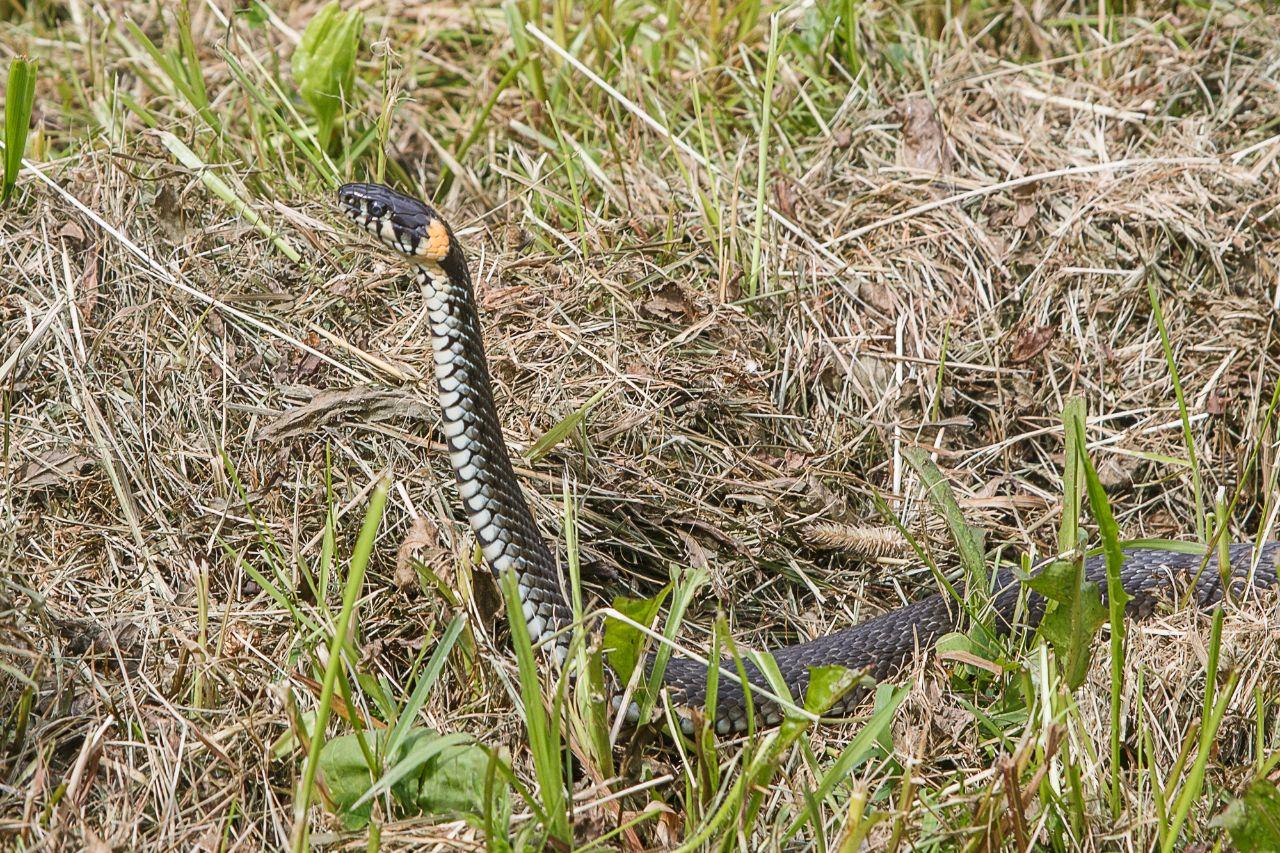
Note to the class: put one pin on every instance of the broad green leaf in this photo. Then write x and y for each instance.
(956, 641)
(423, 749)
(1071, 625)
(623, 642)
(432, 774)
(827, 684)
(972, 649)
(1253, 820)
(455, 782)
(347, 776)
(324, 64)
(285, 745)
(888, 698)
(1176, 545)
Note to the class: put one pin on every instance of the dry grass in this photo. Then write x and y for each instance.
(729, 426)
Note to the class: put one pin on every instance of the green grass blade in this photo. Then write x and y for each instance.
(858, 750)
(1208, 732)
(754, 284)
(543, 730)
(425, 682)
(182, 72)
(1072, 476)
(220, 188)
(1196, 486)
(559, 431)
(355, 580)
(685, 590)
(1117, 598)
(20, 93)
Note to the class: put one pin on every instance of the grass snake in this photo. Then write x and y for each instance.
(509, 537)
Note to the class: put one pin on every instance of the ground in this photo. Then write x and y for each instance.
(736, 262)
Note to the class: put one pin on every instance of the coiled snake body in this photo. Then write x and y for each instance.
(510, 540)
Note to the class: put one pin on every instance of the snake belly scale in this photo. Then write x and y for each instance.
(509, 538)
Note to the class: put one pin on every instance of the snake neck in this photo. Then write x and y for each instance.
(495, 505)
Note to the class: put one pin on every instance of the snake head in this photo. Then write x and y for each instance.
(401, 222)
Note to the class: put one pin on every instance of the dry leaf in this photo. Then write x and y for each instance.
(878, 295)
(924, 144)
(360, 405)
(53, 468)
(670, 302)
(695, 555)
(424, 536)
(72, 231)
(1116, 471)
(794, 460)
(1031, 343)
(785, 195)
(338, 704)
(87, 289)
(1025, 212)
(515, 238)
(308, 362)
(960, 656)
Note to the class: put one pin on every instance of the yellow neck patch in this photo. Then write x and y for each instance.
(436, 244)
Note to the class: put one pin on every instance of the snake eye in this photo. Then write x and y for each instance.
(377, 209)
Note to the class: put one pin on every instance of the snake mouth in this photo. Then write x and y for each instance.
(401, 222)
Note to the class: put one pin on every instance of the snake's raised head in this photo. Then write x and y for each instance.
(401, 222)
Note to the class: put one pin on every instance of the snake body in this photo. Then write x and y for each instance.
(510, 540)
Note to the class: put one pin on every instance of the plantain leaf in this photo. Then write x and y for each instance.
(623, 642)
(324, 64)
(428, 773)
(826, 685)
(967, 539)
(1070, 627)
(1253, 820)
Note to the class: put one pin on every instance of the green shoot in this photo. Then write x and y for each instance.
(19, 95)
